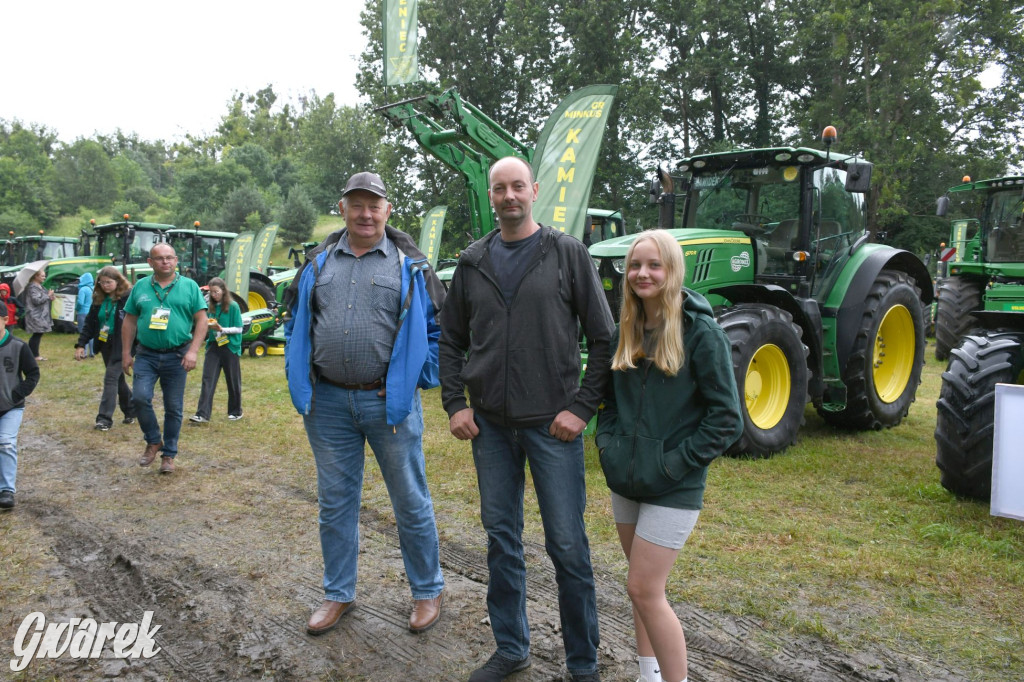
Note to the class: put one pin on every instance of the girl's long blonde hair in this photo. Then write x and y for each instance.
(668, 337)
(110, 272)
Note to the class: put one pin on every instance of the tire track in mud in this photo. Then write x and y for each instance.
(219, 622)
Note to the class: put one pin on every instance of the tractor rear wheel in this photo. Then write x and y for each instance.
(770, 362)
(261, 295)
(884, 368)
(966, 409)
(956, 299)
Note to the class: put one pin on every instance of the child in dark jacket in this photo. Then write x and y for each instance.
(19, 374)
(103, 327)
(672, 408)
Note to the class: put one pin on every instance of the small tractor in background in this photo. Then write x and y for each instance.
(776, 239)
(979, 329)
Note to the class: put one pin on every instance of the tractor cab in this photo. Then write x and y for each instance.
(793, 204)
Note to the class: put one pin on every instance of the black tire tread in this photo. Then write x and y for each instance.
(964, 424)
(956, 298)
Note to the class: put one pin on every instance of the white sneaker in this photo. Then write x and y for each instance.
(234, 417)
(197, 419)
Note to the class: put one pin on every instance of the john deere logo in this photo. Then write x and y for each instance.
(741, 261)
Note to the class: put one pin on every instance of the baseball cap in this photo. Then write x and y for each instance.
(366, 181)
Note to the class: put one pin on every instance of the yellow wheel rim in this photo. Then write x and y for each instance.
(767, 386)
(260, 351)
(893, 359)
(256, 301)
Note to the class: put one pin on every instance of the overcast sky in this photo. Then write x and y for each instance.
(164, 69)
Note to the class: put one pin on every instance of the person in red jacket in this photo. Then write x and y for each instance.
(12, 307)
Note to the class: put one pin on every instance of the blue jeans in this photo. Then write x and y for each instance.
(338, 427)
(500, 454)
(150, 366)
(10, 422)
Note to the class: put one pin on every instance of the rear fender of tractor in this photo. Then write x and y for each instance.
(861, 274)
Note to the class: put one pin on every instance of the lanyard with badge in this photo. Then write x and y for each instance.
(161, 314)
(220, 337)
(107, 315)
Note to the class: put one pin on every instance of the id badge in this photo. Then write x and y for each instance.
(104, 333)
(222, 339)
(160, 318)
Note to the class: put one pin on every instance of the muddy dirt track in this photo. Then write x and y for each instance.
(232, 581)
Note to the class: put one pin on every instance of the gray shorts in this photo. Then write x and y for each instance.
(662, 526)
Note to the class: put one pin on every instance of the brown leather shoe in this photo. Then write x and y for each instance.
(425, 613)
(327, 616)
(166, 465)
(150, 454)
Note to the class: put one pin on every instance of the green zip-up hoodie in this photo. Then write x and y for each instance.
(657, 434)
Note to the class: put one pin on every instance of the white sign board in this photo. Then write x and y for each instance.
(1007, 453)
(63, 307)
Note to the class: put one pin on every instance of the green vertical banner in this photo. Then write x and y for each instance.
(261, 248)
(401, 64)
(430, 233)
(566, 157)
(236, 272)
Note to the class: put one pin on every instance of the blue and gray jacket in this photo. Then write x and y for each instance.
(414, 356)
(84, 300)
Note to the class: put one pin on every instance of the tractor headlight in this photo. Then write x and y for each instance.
(597, 264)
(619, 265)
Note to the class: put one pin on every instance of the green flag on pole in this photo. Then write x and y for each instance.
(400, 59)
(430, 233)
(262, 245)
(566, 157)
(236, 272)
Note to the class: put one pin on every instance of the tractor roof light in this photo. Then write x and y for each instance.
(783, 156)
(828, 136)
(967, 178)
(805, 158)
(700, 163)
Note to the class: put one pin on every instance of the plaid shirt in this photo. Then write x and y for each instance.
(356, 302)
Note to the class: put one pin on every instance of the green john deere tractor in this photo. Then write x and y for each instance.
(33, 247)
(980, 325)
(776, 239)
(987, 264)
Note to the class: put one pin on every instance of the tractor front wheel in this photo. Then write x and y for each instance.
(770, 362)
(956, 298)
(966, 409)
(884, 368)
(258, 349)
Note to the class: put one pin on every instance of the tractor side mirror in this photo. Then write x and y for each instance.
(654, 192)
(941, 206)
(858, 177)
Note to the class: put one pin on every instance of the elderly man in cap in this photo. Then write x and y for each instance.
(362, 338)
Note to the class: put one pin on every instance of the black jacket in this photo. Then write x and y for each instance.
(92, 327)
(19, 373)
(521, 360)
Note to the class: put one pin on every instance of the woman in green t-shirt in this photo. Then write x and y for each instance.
(223, 350)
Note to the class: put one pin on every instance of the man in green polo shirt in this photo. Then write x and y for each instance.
(162, 310)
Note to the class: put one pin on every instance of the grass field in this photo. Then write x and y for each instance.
(846, 536)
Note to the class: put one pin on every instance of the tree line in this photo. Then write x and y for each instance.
(927, 90)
